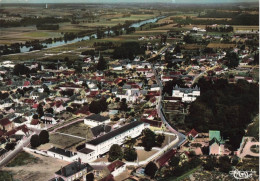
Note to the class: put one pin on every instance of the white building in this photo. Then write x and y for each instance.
(95, 120)
(102, 144)
(116, 168)
(62, 154)
(186, 94)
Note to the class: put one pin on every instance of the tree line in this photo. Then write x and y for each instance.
(228, 108)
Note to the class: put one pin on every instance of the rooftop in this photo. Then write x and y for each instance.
(114, 133)
(97, 117)
(73, 168)
(61, 152)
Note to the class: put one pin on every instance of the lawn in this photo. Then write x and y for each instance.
(64, 141)
(6, 176)
(23, 158)
(77, 129)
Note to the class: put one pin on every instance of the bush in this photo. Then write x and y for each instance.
(115, 152)
(35, 141)
(44, 137)
(151, 169)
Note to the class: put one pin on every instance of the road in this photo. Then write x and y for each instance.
(160, 113)
(23, 143)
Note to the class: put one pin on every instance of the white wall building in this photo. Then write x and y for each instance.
(95, 120)
(102, 144)
(186, 94)
(62, 154)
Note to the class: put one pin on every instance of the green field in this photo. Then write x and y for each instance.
(23, 158)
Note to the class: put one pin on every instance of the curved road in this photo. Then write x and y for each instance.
(160, 113)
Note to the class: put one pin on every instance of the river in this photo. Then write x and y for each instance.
(24, 49)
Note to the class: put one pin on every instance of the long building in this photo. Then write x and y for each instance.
(97, 147)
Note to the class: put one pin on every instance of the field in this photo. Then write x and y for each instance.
(23, 158)
(245, 28)
(63, 141)
(77, 129)
(221, 45)
(42, 170)
(28, 33)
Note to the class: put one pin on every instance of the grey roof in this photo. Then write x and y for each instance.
(85, 150)
(73, 168)
(114, 133)
(97, 117)
(100, 129)
(60, 151)
(186, 90)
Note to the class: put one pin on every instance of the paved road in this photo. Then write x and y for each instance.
(23, 143)
(160, 113)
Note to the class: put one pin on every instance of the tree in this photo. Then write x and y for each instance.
(225, 167)
(128, 50)
(44, 137)
(160, 139)
(35, 116)
(102, 64)
(174, 161)
(40, 110)
(231, 59)
(94, 107)
(90, 177)
(210, 164)
(123, 105)
(130, 154)
(35, 141)
(148, 139)
(47, 90)
(10, 146)
(20, 69)
(115, 152)
(151, 169)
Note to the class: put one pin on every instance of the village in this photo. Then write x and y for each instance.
(102, 118)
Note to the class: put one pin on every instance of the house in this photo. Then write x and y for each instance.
(163, 160)
(96, 119)
(216, 143)
(6, 124)
(97, 131)
(74, 171)
(62, 154)
(187, 94)
(192, 134)
(116, 167)
(97, 147)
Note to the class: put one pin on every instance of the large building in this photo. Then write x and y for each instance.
(186, 94)
(216, 143)
(97, 147)
(75, 170)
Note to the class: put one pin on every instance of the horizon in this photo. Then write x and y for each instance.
(126, 1)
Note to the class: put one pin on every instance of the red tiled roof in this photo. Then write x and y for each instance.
(110, 177)
(114, 165)
(5, 121)
(153, 123)
(35, 106)
(26, 83)
(165, 158)
(193, 133)
(35, 122)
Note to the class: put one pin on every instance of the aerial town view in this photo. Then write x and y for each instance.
(137, 90)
